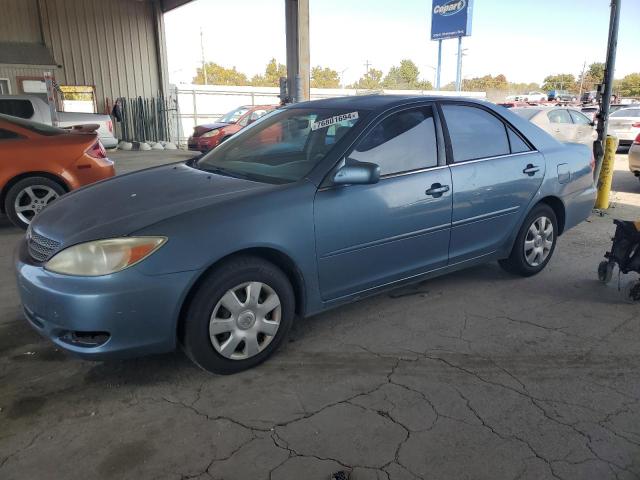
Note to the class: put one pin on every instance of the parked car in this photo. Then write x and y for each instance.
(31, 107)
(317, 205)
(588, 98)
(39, 163)
(590, 112)
(564, 124)
(561, 96)
(208, 136)
(532, 97)
(625, 124)
(634, 157)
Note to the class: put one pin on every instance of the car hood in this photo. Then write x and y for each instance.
(127, 203)
(200, 129)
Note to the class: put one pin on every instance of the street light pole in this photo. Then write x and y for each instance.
(607, 86)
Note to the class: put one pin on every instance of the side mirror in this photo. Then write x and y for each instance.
(357, 173)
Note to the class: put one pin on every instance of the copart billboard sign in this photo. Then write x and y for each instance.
(450, 19)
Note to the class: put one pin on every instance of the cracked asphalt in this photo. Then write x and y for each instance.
(475, 375)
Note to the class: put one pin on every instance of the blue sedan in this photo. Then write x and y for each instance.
(312, 206)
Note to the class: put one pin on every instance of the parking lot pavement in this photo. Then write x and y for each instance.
(474, 375)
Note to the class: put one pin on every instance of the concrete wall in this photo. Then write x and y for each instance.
(109, 44)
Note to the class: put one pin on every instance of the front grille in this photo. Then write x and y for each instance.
(41, 248)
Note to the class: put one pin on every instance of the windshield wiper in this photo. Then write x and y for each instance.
(227, 173)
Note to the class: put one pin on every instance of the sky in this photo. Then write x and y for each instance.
(526, 40)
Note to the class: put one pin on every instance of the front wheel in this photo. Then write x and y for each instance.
(28, 197)
(240, 314)
(535, 243)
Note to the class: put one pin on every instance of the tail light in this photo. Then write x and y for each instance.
(110, 126)
(637, 140)
(592, 163)
(97, 151)
(636, 125)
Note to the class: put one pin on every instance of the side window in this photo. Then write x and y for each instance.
(8, 135)
(402, 142)
(578, 118)
(244, 121)
(559, 116)
(518, 145)
(16, 108)
(474, 133)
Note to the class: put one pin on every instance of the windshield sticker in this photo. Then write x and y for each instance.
(327, 122)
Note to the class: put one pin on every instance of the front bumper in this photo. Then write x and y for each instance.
(202, 144)
(114, 316)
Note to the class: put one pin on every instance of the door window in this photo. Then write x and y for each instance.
(559, 116)
(402, 142)
(474, 133)
(578, 118)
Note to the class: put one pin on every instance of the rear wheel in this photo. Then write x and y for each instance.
(239, 316)
(535, 243)
(28, 197)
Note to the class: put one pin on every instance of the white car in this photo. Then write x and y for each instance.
(625, 124)
(564, 124)
(32, 107)
(634, 157)
(532, 97)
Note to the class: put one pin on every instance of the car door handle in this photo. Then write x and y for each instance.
(531, 170)
(437, 190)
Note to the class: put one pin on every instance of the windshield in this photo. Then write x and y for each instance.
(282, 146)
(527, 113)
(234, 115)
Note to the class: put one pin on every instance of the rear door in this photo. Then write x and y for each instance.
(584, 131)
(495, 173)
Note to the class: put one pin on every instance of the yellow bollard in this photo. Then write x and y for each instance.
(606, 173)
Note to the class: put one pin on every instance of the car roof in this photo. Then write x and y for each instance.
(376, 102)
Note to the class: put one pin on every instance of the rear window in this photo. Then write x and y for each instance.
(527, 113)
(627, 112)
(39, 128)
(16, 107)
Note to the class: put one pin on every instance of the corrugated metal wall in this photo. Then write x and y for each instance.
(19, 21)
(110, 44)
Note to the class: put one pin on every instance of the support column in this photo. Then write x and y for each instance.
(298, 60)
(459, 69)
(439, 64)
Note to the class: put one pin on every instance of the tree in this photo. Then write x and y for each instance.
(324, 78)
(486, 83)
(372, 80)
(592, 76)
(271, 77)
(405, 77)
(561, 81)
(219, 75)
(629, 86)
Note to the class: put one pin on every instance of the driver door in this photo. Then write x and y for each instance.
(372, 235)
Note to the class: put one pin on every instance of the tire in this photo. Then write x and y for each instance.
(239, 341)
(519, 262)
(30, 196)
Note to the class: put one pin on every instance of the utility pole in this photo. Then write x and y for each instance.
(584, 66)
(604, 90)
(367, 65)
(204, 65)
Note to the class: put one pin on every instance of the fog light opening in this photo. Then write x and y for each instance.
(85, 339)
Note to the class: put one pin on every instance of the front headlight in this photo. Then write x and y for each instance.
(102, 257)
(210, 133)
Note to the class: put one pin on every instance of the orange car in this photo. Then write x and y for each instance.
(39, 163)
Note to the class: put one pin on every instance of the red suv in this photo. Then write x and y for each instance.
(208, 136)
